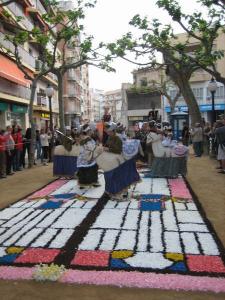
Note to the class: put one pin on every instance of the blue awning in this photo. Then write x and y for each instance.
(203, 107)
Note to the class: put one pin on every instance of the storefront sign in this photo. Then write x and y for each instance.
(44, 115)
(3, 106)
(19, 109)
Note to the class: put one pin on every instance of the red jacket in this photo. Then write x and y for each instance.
(3, 140)
(18, 139)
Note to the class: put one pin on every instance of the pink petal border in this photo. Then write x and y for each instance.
(16, 273)
(145, 280)
(125, 279)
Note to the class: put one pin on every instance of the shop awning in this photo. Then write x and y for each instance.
(19, 109)
(10, 71)
(3, 106)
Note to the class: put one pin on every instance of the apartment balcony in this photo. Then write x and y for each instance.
(25, 56)
(41, 100)
(19, 12)
(15, 90)
(37, 7)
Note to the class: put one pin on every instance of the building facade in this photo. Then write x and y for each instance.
(97, 102)
(113, 100)
(86, 104)
(72, 79)
(14, 88)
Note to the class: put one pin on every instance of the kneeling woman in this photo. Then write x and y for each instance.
(87, 168)
(119, 173)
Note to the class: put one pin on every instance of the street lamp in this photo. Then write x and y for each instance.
(212, 86)
(49, 92)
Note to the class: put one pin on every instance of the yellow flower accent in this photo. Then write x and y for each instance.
(122, 254)
(14, 250)
(175, 256)
(46, 272)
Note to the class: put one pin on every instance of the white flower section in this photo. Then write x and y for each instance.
(22, 218)
(179, 206)
(8, 233)
(2, 230)
(91, 240)
(38, 202)
(160, 186)
(190, 243)
(169, 220)
(24, 229)
(189, 217)
(28, 237)
(143, 187)
(109, 218)
(90, 204)
(208, 244)
(51, 218)
(172, 241)
(109, 240)
(149, 260)
(44, 238)
(2, 221)
(71, 218)
(68, 203)
(191, 206)
(78, 204)
(9, 213)
(168, 205)
(110, 204)
(122, 205)
(193, 227)
(156, 232)
(18, 204)
(61, 238)
(134, 204)
(66, 188)
(131, 221)
(126, 241)
(28, 204)
(96, 192)
(143, 232)
(2, 251)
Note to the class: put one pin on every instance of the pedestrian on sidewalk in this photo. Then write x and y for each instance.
(18, 139)
(3, 140)
(10, 150)
(44, 139)
(220, 138)
(197, 139)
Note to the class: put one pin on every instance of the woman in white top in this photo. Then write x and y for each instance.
(44, 139)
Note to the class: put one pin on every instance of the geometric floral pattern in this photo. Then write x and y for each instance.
(158, 236)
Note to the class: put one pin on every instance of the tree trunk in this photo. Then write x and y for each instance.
(32, 125)
(190, 100)
(61, 102)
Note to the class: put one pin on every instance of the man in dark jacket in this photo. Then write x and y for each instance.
(220, 138)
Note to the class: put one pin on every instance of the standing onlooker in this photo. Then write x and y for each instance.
(220, 137)
(38, 145)
(10, 145)
(44, 139)
(27, 139)
(206, 136)
(197, 139)
(3, 140)
(18, 139)
(185, 134)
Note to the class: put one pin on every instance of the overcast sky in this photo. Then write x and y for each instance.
(109, 21)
